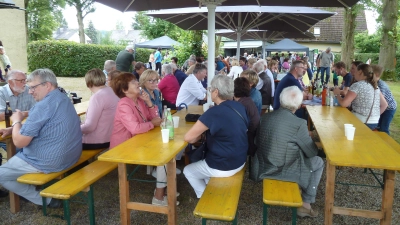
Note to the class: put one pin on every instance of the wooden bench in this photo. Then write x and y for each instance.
(43, 180)
(220, 199)
(281, 193)
(80, 181)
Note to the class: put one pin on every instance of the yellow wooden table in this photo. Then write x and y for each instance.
(81, 108)
(148, 149)
(367, 150)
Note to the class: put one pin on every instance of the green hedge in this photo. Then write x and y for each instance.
(70, 59)
(363, 57)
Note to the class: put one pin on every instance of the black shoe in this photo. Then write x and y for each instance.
(3, 194)
(55, 203)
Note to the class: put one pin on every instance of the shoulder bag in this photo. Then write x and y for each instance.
(370, 111)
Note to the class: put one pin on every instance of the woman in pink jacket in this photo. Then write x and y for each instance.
(136, 114)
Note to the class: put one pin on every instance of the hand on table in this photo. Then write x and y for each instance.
(17, 116)
(309, 96)
(6, 132)
(156, 121)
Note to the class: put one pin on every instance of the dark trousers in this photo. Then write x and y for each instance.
(168, 104)
(150, 66)
(86, 146)
(158, 67)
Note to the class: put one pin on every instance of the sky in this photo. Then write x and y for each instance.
(106, 18)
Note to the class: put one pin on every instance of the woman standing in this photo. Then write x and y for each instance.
(236, 69)
(151, 60)
(148, 81)
(98, 125)
(364, 96)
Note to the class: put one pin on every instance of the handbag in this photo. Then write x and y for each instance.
(192, 117)
(199, 153)
(373, 101)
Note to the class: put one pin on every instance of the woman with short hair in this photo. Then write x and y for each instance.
(285, 151)
(98, 124)
(148, 81)
(169, 86)
(364, 96)
(226, 150)
(111, 75)
(255, 94)
(236, 69)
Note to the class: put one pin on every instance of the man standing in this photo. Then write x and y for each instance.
(158, 59)
(125, 59)
(325, 62)
(192, 91)
(340, 69)
(51, 137)
(16, 93)
(292, 78)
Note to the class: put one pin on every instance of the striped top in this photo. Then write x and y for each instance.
(56, 132)
(392, 104)
(23, 101)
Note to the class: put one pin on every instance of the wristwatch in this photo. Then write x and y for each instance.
(16, 123)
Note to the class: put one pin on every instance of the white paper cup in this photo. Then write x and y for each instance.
(165, 135)
(345, 126)
(205, 107)
(176, 121)
(350, 133)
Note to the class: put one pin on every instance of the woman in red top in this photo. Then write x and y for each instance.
(169, 86)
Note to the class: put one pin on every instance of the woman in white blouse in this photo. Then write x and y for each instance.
(236, 69)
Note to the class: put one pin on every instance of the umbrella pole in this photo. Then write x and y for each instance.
(239, 34)
(211, 47)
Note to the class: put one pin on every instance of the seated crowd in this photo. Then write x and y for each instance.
(125, 104)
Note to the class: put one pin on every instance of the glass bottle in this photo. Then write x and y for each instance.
(8, 114)
(170, 124)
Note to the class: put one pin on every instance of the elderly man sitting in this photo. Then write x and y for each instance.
(287, 152)
(192, 91)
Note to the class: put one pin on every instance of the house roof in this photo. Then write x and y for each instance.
(331, 29)
(127, 35)
(64, 33)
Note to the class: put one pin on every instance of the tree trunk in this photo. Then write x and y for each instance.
(217, 45)
(80, 23)
(387, 52)
(347, 53)
(26, 3)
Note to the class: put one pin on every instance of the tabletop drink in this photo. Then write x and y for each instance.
(8, 114)
(164, 117)
(324, 96)
(170, 124)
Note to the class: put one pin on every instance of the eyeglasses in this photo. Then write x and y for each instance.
(153, 81)
(22, 80)
(32, 88)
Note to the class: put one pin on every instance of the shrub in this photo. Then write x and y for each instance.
(70, 59)
(387, 75)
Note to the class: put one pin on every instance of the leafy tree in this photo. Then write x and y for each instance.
(83, 8)
(91, 32)
(105, 38)
(119, 25)
(42, 18)
(154, 27)
(365, 43)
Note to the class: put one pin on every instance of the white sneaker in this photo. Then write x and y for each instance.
(178, 171)
(165, 193)
(161, 202)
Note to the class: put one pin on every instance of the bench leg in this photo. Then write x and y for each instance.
(44, 206)
(265, 214)
(203, 221)
(67, 215)
(91, 206)
(234, 222)
(294, 216)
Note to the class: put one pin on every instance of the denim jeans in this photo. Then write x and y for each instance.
(328, 74)
(385, 119)
(372, 126)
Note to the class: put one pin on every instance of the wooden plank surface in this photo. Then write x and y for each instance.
(148, 149)
(367, 150)
(281, 193)
(81, 108)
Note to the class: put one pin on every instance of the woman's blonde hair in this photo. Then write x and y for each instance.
(252, 76)
(146, 76)
(235, 62)
(272, 63)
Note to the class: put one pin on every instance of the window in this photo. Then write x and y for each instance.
(317, 31)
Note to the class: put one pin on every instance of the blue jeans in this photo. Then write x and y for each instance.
(328, 74)
(372, 126)
(385, 119)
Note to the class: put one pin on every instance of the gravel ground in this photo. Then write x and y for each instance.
(249, 211)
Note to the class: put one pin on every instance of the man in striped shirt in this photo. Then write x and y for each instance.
(51, 137)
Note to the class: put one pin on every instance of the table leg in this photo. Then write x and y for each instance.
(171, 189)
(330, 192)
(387, 197)
(123, 194)
(14, 198)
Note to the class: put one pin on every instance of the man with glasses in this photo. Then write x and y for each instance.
(192, 91)
(51, 137)
(17, 93)
(292, 78)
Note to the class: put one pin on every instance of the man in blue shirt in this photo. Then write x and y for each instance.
(158, 59)
(51, 137)
(292, 78)
(179, 74)
(340, 69)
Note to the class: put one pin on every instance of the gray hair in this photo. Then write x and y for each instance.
(296, 64)
(258, 66)
(328, 48)
(193, 60)
(167, 69)
(109, 64)
(129, 47)
(173, 66)
(11, 74)
(225, 87)
(44, 75)
(291, 98)
(265, 63)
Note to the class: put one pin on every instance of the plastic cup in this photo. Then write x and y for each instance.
(176, 121)
(205, 107)
(350, 133)
(165, 135)
(345, 126)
